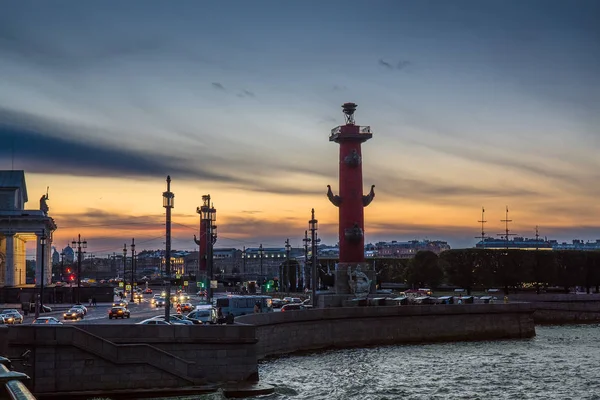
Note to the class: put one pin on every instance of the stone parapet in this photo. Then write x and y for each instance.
(288, 332)
(66, 358)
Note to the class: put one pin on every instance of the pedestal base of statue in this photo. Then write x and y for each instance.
(343, 272)
(343, 295)
(331, 299)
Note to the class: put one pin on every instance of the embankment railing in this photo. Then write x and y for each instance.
(13, 382)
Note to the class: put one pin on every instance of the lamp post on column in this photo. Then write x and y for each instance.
(132, 268)
(40, 300)
(168, 204)
(313, 226)
(287, 265)
(79, 245)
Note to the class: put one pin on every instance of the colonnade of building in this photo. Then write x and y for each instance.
(13, 269)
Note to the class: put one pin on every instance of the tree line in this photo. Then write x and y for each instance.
(510, 269)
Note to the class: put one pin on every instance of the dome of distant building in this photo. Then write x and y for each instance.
(69, 254)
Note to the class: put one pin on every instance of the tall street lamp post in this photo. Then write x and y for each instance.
(168, 204)
(287, 265)
(62, 266)
(124, 267)
(313, 226)
(260, 256)
(79, 245)
(40, 300)
(132, 268)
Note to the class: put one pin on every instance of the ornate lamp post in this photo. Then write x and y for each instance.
(260, 256)
(40, 300)
(313, 226)
(79, 245)
(62, 266)
(132, 268)
(124, 267)
(168, 204)
(287, 265)
(243, 263)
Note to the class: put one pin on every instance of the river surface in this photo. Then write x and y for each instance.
(561, 362)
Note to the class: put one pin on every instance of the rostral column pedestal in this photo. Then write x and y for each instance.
(352, 276)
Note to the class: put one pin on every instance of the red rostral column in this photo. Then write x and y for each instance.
(351, 200)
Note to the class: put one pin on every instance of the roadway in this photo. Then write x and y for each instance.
(99, 314)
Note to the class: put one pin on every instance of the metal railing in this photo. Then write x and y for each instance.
(13, 382)
(361, 130)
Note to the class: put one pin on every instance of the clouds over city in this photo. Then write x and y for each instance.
(471, 103)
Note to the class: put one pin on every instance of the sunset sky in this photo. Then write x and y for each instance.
(472, 103)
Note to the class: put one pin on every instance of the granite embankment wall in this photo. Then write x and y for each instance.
(562, 308)
(115, 358)
(288, 332)
(69, 358)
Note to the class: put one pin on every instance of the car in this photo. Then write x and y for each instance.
(277, 303)
(186, 307)
(181, 298)
(43, 308)
(6, 319)
(159, 302)
(148, 291)
(74, 313)
(204, 315)
(138, 297)
(173, 320)
(152, 321)
(292, 306)
(121, 303)
(118, 312)
(155, 297)
(184, 318)
(17, 316)
(287, 300)
(83, 308)
(47, 321)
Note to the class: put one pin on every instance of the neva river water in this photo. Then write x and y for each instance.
(561, 362)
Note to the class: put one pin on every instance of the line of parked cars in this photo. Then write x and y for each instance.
(291, 303)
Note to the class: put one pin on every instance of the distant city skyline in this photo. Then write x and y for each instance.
(471, 104)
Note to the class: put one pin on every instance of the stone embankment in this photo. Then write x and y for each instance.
(562, 308)
(105, 359)
(289, 332)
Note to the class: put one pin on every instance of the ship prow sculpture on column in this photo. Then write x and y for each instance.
(353, 279)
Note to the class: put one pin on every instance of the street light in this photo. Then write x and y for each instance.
(78, 245)
(124, 267)
(62, 265)
(313, 226)
(40, 302)
(168, 204)
(260, 255)
(287, 265)
(132, 267)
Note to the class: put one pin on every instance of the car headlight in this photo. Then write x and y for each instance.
(65, 315)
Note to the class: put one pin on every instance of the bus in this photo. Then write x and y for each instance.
(242, 305)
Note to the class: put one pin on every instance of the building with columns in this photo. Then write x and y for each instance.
(18, 226)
